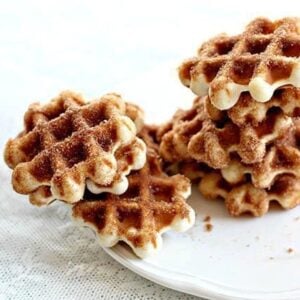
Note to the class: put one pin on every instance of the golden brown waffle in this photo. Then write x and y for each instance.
(153, 204)
(245, 198)
(193, 134)
(251, 187)
(263, 58)
(44, 113)
(240, 194)
(283, 157)
(67, 142)
(175, 135)
(213, 145)
(247, 110)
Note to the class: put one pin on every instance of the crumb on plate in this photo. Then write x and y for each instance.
(208, 227)
(207, 219)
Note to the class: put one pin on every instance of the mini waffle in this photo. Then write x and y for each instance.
(194, 134)
(175, 135)
(260, 60)
(283, 157)
(68, 142)
(214, 146)
(240, 195)
(247, 110)
(153, 204)
(245, 198)
(38, 113)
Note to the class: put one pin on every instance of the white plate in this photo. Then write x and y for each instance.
(241, 258)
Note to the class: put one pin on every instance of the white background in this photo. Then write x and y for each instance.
(92, 47)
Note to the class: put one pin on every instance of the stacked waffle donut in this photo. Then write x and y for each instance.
(102, 160)
(239, 141)
(241, 137)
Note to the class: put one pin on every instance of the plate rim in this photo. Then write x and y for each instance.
(205, 289)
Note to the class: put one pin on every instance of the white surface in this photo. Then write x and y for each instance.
(131, 47)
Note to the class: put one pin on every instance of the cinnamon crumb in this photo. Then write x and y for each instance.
(208, 227)
(290, 250)
(207, 219)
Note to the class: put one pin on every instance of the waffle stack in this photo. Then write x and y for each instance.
(153, 204)
(100, 158)
(240, 139)
(69, 144)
